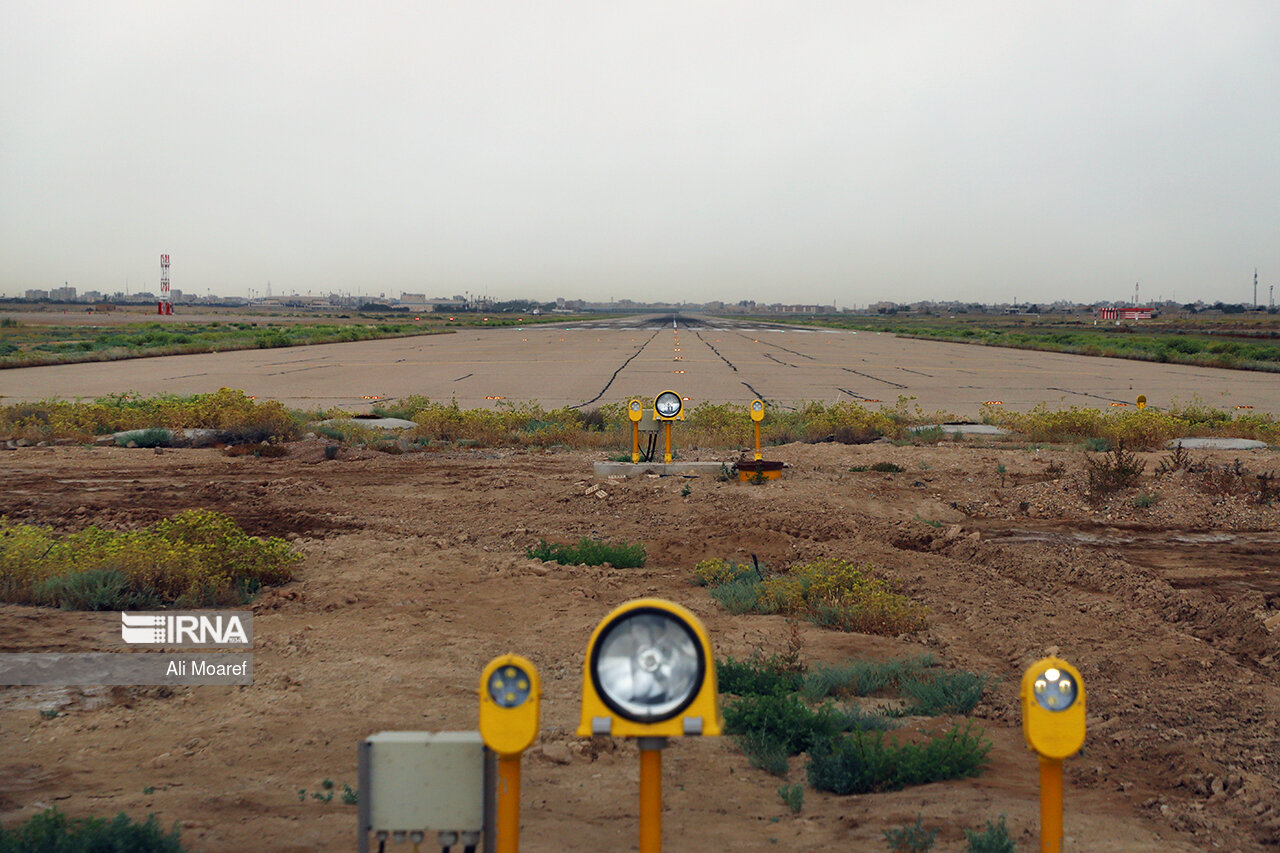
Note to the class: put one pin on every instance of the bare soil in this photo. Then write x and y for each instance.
(415, 577)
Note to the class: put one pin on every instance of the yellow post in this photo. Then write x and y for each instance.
(650, 799)
(759, 455)
(635, 442)
(508, 805)
(666, 441)
(1050, 805)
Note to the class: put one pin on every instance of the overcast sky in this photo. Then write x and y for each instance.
(841, 152)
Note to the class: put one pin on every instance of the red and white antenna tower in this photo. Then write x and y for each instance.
(164, 306)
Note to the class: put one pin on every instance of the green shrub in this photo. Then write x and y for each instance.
(738, 596)
(994, 839)
(197, 558)
(94, 589)
(859, 678)
(911, 837)
(154, 437)
(783, 720)
(937, 692)
(887, 468)
(1112, 472)
(755, 677)
(1097, 444)
(793, 796)
(52, 831)
(589, 552)
(871, 761)
(764, 752)
(1145, 500)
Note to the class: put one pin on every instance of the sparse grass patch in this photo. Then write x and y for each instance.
(1112, 472)
(886, 468)
(51, 831)
(860, 678)
(994, 839)
(589, 552)
(870, 761)
(911, 837)
(197, 558)
(935, 692)
(833, 593)
(793, 796)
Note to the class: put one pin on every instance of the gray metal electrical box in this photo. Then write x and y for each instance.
(420, 782)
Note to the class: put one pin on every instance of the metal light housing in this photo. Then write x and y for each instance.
(635, 409)
(668, 406)
(650, 672)
(1053, 708)
(510, 701)
(757, 410)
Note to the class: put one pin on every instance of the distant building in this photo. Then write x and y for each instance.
(37, 294)
(63, 294)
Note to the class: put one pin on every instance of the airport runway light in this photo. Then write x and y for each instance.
(650, 674)
(635, 411)
(1142, 401)
(1053, 723)
(757, 415)
(667, 407)
(510, 700)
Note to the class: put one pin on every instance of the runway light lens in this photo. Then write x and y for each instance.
(1055, 690)
(647, 666)
(668, 404)
(509, 687)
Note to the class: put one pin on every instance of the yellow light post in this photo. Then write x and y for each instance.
(635, 411)
(1142, 401)
(1053, 714)
(510, 699)
(757, 415)
(667, 407)
(650, 674)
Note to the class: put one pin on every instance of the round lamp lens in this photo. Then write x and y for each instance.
(635, 405)
(1055, 690)
(509, 686)
(647, 665)
(757, 406)
(668, 404)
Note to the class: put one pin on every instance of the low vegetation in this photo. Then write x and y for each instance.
(589, 552)
(198, 558)
(51, 831)
(241, 418)
(833, 593)
(865, 762)
(775, 714)
(1137, 429)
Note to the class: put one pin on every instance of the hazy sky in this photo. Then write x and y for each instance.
(840, 152)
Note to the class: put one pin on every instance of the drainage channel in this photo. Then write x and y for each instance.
(1223, 561)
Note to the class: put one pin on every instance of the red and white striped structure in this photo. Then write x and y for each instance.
(164, 306)
(1124, 313)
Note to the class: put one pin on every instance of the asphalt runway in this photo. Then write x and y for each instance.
(584, 364)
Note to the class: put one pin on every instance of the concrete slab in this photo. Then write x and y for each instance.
(639, 469)
(376, 423)
(966, 429)
(1218, 443)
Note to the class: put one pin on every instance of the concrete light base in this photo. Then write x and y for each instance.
(639, 469)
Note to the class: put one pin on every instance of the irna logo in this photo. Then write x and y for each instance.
(188, 628)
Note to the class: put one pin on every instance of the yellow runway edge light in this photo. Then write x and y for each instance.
(1053, 708)
(650, 673)
(510, 698)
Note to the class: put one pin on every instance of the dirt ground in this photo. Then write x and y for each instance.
(415, 577)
